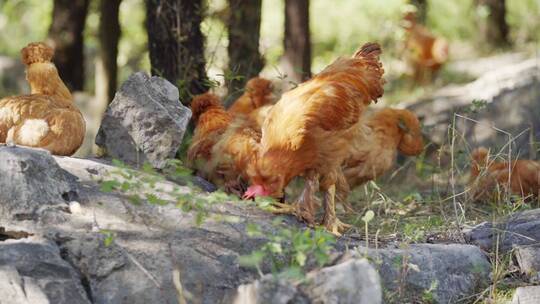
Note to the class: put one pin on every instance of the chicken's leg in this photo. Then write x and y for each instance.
(304, 208)
(330, 221)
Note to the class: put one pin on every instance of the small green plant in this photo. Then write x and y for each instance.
(289, 249)
(109, 237)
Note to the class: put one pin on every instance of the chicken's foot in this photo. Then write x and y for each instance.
(330, 221)
(304, 208)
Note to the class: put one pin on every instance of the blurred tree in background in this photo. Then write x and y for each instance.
(493, 25)
(66, 33)
(109, 38)
(421, 10)
(297, 40)
(176, 44)
(244, 27)
(309, 33)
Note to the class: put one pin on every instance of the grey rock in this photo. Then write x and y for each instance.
(526, 295)
(352, 282)
(145, 122)
(519, 229)
(512, 96)
(31, 183)
(270, 290)
(528, 260)
(17, 289)
(38, 270)
(430, 272)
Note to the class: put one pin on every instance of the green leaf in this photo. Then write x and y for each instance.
(301, 258)
(252, 260)
(109, 186)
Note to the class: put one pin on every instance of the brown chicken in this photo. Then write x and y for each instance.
(223, 146)
(309, 130)
(425, 52)
(47, 118)
(382, 135)
(211, 121)
(487, 175)
(258, 92)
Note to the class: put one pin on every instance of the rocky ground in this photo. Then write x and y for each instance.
(84, 230)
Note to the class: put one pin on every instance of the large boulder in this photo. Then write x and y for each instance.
(145, 122)
(34, 272)
(154, 250)
(32, 183)
(507, 101)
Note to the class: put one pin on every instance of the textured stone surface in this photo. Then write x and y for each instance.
(34, 272)
(130, 253)
(145, 122)
(521, 228)
(435, 272)
(513, 105)
(528, 260)
(354, 281)
(527, 295)
(31, 182)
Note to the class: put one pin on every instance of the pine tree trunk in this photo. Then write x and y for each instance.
(244, 26)
(109, 37)
(297, 42)
(176, 44)
(66, 33)
(421, 10)
(494, 28)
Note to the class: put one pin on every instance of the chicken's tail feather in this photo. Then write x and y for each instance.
(36, 52)
(201, 103)
(370, 53)
(369, 50)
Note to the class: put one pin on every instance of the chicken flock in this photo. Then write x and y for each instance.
(322, 131)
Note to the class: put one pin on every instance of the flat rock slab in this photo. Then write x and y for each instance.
(145, 122)
(32, 183)
(519, 229)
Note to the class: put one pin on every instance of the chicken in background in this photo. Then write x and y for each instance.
(223, 146)
(257, 93)
(426, 52)
(211, 120)
(520, 177)
(47, 118)
(308, 133)
(382, 135)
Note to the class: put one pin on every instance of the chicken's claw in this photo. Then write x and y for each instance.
(335, 226)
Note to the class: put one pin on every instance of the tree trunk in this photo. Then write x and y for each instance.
(109, 37)
(421, 10)
(176, 44)
(494, 27)
(297, 42)
(244, 26)
(66, 33)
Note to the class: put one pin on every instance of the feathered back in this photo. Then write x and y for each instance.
(36, 52)
(204, 102)
(370, 54)
(479, 160)
(259, 88)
